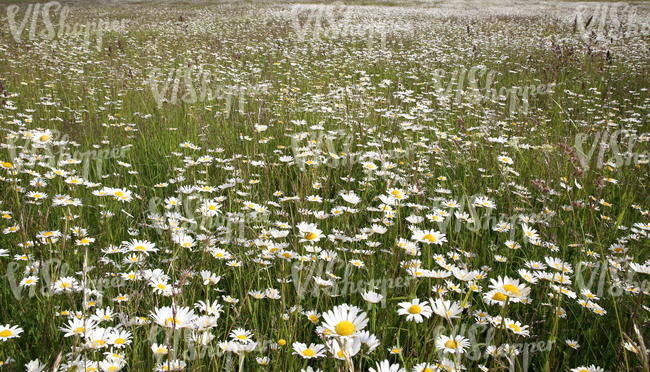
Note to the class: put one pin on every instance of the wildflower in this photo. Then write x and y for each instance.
(429, 237)
(7, 332)
(313, 351)
(414, 310)
(345, 320)
(385, 366)
(456, 345)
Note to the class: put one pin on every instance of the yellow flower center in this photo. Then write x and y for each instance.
(6, 164)
(161, 286)
(6, 333)
(120, 341)
(515, 327)
(212, 208)
(415, 309)
(171, 320)
(499, 296)
(340, 354)
(308, 352)
(44, 138)
(430, 238)
(451, 344)
(310, 236)
(282, 342)
(511, 289)
(79, 330)
(313, 318)
(345, 328)
(395, 351)
(84, 241)
(242, 337)
(161, 351)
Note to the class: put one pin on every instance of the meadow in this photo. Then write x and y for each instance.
(362, 186)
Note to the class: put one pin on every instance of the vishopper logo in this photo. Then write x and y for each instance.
(594, 278)
(184, 214)
(304, 274)
(335, 150)
(51, 277)
(606, 141)
(47, 13)
(607, 20)
(207, 92)
(481, 336)
(50, 141)
(314, 23)
(98, 156)
(456, 90)
(182, 345)
(487, 220)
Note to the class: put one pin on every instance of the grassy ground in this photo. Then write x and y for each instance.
(514, 131)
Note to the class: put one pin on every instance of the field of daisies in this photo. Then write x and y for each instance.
(381, 186)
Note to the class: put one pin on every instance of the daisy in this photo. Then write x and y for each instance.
(369, 342)
(159, 350)
(372, 297)
(445, 308)
(424, 367)
(35, 366)
(505, 160)
(313, 351)
(517, 328)
(241, 335)
(345, 320)
(112, 364)
(456, 345)
(141, 246)
(66, 284)
(309, 232)
(312, 315)
(529, 234)
(7, 332)
(160, 286)
(528, 276)
(103, 315)
(572, 343)
(173, 317)
(385, 366)
(120, 338)
(348, 347)
(591, 368)
(97, 338)
(429, 237)
(414, 310)
(507, 287)
(29, 281)
(78, 327)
